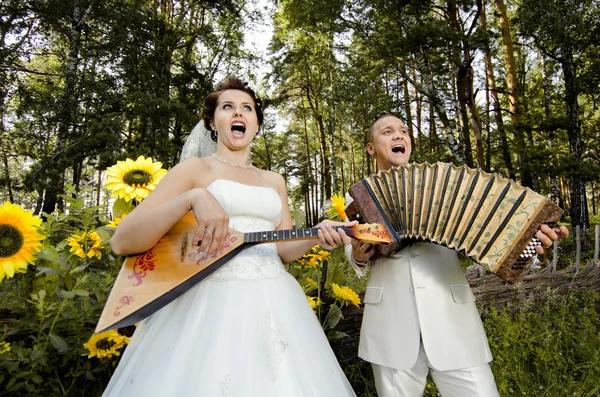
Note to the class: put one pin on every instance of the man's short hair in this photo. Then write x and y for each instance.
(371, 129)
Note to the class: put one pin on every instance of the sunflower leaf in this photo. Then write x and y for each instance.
(59, 343)
(67, 294)
(333, 317)
(79, 269)
(335, 335)
(120, 206)
(49, 255)
(104, 235)
(47, 270)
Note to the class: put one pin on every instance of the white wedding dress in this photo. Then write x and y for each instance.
(246, 330)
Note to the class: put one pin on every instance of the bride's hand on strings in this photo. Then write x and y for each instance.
(547, 235)
(213, 222)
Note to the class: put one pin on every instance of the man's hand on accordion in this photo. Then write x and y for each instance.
(547, 235)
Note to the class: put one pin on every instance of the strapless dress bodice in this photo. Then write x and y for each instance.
(250, 209)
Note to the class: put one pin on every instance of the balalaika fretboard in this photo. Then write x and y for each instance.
(280, 235)
(489, 218)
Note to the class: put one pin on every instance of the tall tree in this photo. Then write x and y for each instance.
(491, 84)
(566, 31)
(514, 100)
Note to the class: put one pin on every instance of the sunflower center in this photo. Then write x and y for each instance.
(11, 240)
(105, 344)
(137, 178)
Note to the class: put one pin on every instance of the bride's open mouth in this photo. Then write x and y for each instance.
(238, 129)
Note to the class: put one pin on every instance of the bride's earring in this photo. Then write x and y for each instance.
(214, 133)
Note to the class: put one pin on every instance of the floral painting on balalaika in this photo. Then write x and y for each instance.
(491, 219)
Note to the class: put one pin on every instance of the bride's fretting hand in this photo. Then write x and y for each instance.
(329, 236)
(213, 221)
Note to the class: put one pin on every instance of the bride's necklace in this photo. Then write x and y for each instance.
(221, 160)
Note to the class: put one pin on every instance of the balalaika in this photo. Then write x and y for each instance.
(491, 219)
(154, 278)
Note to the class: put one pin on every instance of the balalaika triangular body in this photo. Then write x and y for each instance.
(149, 281)
(491, 219)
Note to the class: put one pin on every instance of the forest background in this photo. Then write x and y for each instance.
(510, 87)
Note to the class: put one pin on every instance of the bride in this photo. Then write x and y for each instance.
(246, 330)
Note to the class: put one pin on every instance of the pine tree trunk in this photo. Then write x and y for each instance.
(308, 172)
(3, 146)
(9, 188)
(460, 84)
(491, 83)
(433, 141)
(555, 194)
(512, 83)
(418, 115)
(326, 168)
(407, 107)
(579, 208)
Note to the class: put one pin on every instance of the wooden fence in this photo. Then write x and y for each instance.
(578, 248)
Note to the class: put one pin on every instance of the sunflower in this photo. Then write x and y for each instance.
(314, 257)
(115, 222)
(134, 179)
(345, 294)
(312, 284)
(314, 302)
(322, 255)
(337, 208)
(86, 244)
(105, 344)
(309, 260)
(19, 239)
(4, 347)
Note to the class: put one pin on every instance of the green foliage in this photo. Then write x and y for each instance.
(326, 271)
(547, 344)
(53, 310)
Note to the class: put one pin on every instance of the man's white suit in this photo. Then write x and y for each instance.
(421, 292)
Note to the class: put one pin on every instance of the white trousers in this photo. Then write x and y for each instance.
(467, 382)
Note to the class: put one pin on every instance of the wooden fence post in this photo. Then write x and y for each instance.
(321, 292)
(578, 239)
(554, 255)
(597, 244)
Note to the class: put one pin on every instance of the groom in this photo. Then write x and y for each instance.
(420, 315)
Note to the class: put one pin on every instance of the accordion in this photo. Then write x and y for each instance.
(490, 219)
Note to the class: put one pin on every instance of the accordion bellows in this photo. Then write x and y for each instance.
(491, 219)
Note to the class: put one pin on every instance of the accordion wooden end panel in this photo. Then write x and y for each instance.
(491, 219)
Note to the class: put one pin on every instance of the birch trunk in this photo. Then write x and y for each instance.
(68, 104)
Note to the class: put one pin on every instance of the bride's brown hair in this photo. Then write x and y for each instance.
(210, 103)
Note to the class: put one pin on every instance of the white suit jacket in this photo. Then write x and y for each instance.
(421, 291)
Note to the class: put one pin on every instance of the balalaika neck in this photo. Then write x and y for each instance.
(368, 233)
(282, 235)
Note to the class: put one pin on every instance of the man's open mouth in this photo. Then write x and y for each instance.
(398, 148)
